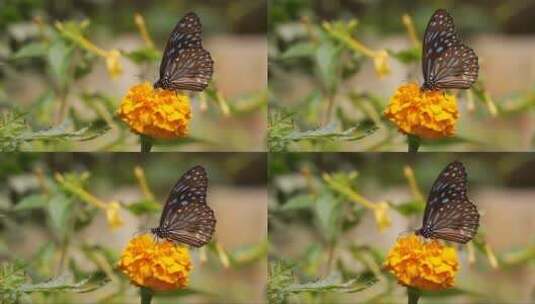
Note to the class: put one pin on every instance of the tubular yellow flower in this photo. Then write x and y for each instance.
(428, 114)
(380, 62)
(112, 215)
(157, 265)
(421, 264)
(380, 211)
(115, 69)
(155, 112)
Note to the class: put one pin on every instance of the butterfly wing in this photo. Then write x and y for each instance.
(449, 185)
(459, 222)
(446, 62)
(191, 70)
(449, 215)
(185, 65)
(457, 68)
(191, 187)
(192, 224)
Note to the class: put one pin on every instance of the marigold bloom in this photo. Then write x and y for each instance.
(427, 265)
(155, 112)
(156, 265)
(428, 114)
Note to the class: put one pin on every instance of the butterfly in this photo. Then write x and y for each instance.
(186, 217)
(185, 65)
(449, 215)
(446, 62)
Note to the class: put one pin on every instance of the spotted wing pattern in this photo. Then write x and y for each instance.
(446, 62)
(185, 65)
(186, 217)
(449, 214)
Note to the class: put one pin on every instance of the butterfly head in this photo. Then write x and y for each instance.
(159, 232)
(429, 85)
(425, 232)
(162, 83)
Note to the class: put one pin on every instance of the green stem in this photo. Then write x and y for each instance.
(328, 113)
(414, 143)
(414, 295)
(146, 295)
(146, 143)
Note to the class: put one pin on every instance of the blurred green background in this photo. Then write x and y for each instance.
(327, 96)
(326, 248)
(56, 95)
(50, 234)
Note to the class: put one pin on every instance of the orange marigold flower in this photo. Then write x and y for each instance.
(155, 112)
(422, 264)
(156, 265)
(428, 114)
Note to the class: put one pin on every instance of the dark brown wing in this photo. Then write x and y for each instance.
(439, 36)
(458, 68)
(458, 223)
(190, 188)
(450, 185)
(185, 65)
(192, 224)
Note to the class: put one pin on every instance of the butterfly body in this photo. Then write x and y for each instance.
(449, 214)
(186, 217)
(446, 62)
(185, 65)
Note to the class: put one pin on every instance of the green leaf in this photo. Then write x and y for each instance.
(12, 276)
(33, 49)
(144, 207)
(144, 55)
(280, 126)
(33, 201)
(65, 282)
(332, 283)
(59, 208)
(12, 126)
(410, 208)
(328, 210)
(327, 58)
(301, 201)
(407, 56)
(62, 132)
(280, 276)
(298, 50)
(249, 254)
(330, 132)
(59, 57)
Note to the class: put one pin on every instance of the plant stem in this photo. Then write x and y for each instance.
(146, 295)
(414, 143)
(414, 295)
(146, 143)
(328, 112)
